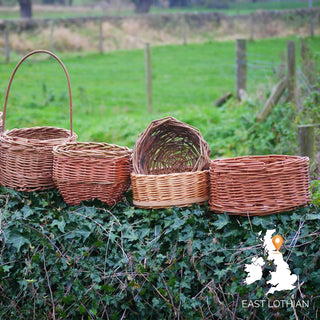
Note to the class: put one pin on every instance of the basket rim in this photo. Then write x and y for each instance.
(104, 152)
(187, 173)
(264, 161)
(8, 135)
(275, 157)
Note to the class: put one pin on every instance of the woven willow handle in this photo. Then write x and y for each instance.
(14, 72)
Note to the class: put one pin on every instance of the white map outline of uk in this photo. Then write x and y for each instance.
(281, 278)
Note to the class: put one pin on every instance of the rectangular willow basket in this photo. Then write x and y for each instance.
(259, 185)
(169, 190)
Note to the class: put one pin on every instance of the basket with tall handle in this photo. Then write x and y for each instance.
(26, 158)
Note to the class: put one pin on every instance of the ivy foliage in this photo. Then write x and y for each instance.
(96, 262)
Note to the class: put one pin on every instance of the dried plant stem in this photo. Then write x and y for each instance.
(49, 286)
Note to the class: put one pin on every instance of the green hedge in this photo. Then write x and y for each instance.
(96, 262)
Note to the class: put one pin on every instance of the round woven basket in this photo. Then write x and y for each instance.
(87, 170)
(170, 146)
(170, 163)
(26, 154)
(259, 185)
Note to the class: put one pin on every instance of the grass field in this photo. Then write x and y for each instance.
(109, 91)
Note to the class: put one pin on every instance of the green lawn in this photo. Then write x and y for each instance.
(109, 90)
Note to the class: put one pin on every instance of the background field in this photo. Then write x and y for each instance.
(109, 91)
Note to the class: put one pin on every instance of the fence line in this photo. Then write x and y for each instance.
(305, 78)
(266, 68)
(182, 26)
(303, 83)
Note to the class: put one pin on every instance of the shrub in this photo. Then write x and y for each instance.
(96, 262)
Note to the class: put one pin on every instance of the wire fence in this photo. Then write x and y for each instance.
(125, 84)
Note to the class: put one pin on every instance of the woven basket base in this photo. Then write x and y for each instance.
(27, 171)
(170, 190)
(26, 160)
(260, 211)
(167, 205)
(74, 193)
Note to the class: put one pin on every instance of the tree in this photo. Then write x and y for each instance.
(142, 6)
(25, 8)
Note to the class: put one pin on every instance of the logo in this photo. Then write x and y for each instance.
(281, 279)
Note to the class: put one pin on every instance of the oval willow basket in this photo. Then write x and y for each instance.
(26, 154)
(259, 185)
(170, 163)
(89, 170)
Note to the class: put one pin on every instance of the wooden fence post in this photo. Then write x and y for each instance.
(6, 44)
(148, 77)
(52, 36)
(184, 30)
(303, 49)
(251, 26)
(311, 24)
(311, 20)
(241, 66)
(275, 96)
(100, 36)
(306, 140)
(291, 66)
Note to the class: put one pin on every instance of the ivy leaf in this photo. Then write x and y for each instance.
(17, 240)
(263, 222)
(7, 268)
(313, 216)
(218, 259)
(220, 273)
(84, 232)
(130, 212)
(143, 233)
(295, 216)
(130, 235)
(223, 220)
(60, 224)
(176, 224)
(26, 210)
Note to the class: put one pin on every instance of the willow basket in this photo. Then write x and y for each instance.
(168, 190)
(26, 154)
(88, 170)
(259, 185)
(170, 164)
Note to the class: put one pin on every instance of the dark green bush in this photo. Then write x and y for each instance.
(95, 262)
